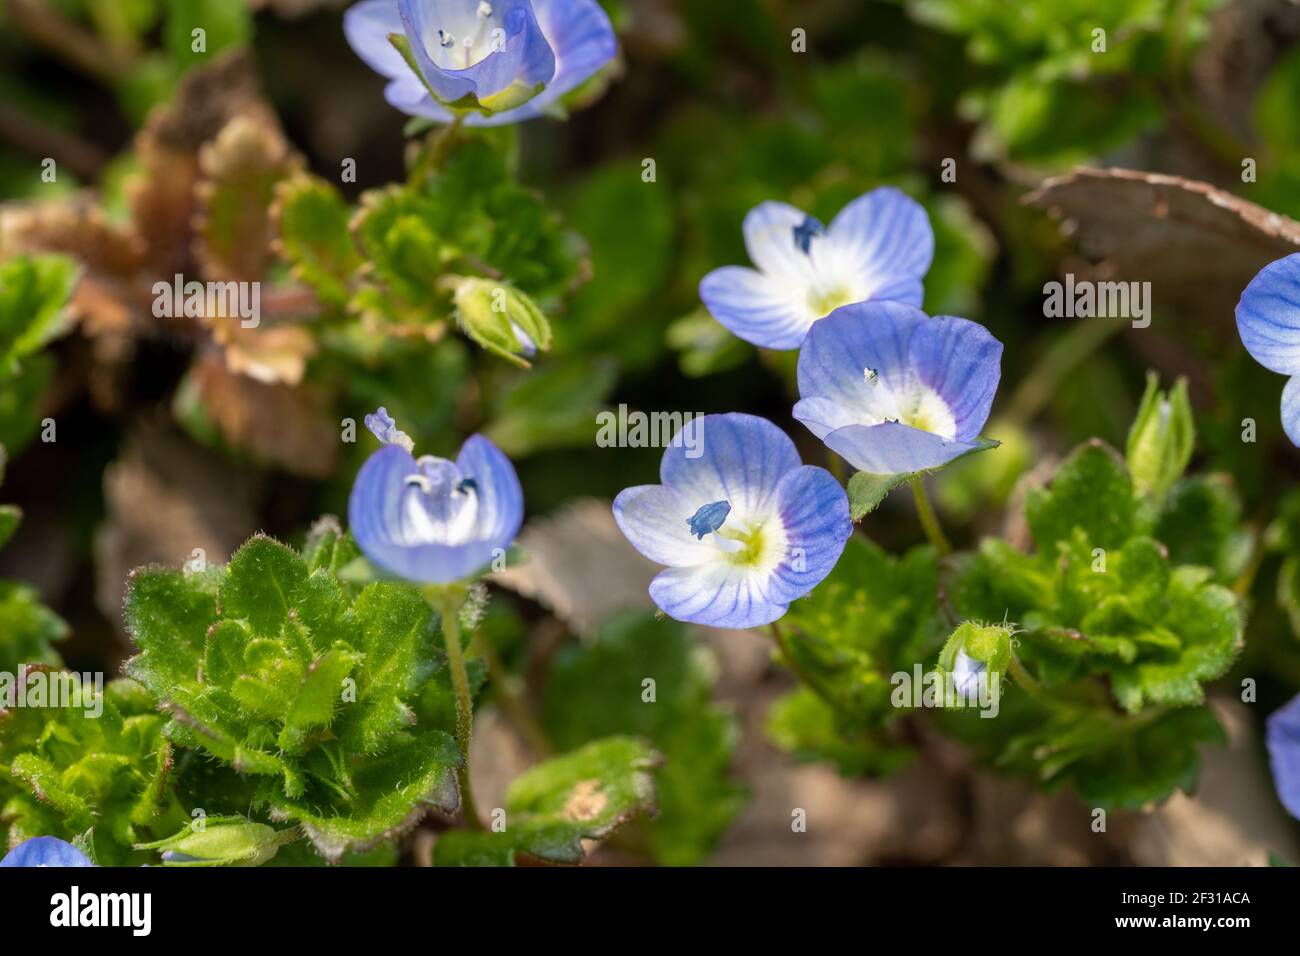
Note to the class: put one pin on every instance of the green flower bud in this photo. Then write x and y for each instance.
(977, 654)
(1161, 440)
(222, 841)
(502, 319)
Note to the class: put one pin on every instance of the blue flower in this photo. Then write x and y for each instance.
(879, 247)
(1284, 754)
(894, 391)
(1268, 321)
(769, 528)
(496, 61)
(45, 851)
(430, 520)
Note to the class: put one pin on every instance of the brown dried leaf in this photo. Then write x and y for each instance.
(289, 427)
(239, 170)
(1197, 245)
(269, 355)
(165, 498)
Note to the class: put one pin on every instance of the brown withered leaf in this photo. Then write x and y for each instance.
(1197, 245)
(165, 498)
(239, 172)
(289, 427)
(271, 355)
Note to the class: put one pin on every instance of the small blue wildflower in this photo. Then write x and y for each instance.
(45, 851)
(927, 394)
(879, 247)
(1284, 754)
(1268, 321)
(783, 528)
(709, 518)
(434, 521)
(492, 61)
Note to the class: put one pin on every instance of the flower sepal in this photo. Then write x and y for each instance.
(501, 318)
(974, 661)
(1161, 439)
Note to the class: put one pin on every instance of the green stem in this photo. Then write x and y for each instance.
(1024, 678)
(449, 609)
(929, 520)
(436, 150)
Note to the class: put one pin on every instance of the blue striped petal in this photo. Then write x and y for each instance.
(888, 233)
(814, 510)
(892, 448)
(1268, 316)
(738, 458)
(962, 361)
(367, 26)
(654, 519)
(45, 851)
(755, 307)
(1284, 754)
(715, 595)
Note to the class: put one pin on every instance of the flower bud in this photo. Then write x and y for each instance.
(222, 841)
(976, 656)
(1161, 440)
(501, 319)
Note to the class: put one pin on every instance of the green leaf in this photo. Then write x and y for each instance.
(168, 614)
(648, 678)
(264, 582)
(33, 293)
(1092, 492)
(10, 517)
(314, 236)
(867, 491)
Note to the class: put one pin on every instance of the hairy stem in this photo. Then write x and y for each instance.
(449, 609)
(929, 520)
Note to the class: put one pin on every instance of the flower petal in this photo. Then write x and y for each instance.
(367, 26)
(815, 512)
(962, 361)
(1268, 316)
(45, 851)
(843, 346)
(892, 448)
(887, 233)
(770, 238)
(1284, 754)
(583, 39)
(500, 497)
(736, 458)
(755, 307)
(654, 518)
(1291, 409)
(717, 594)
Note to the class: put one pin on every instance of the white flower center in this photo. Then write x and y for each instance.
(912, 403)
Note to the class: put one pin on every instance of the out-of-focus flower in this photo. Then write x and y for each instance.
(1268, 321)
(894, 391)
(45, 851)
(494, 61)
(1284, 754)
(434, 521)
(878, 248)
(744, 528)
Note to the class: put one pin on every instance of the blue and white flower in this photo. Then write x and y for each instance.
(430, 520)
(893, 391)
(743, 528)
(493, 61)
(879, 247)
(1284, 754)
(1268, 320)
(45, 851)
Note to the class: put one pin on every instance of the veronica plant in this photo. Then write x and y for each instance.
(743, 527)
(45, 851)
(879, 247)
(484, 62)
